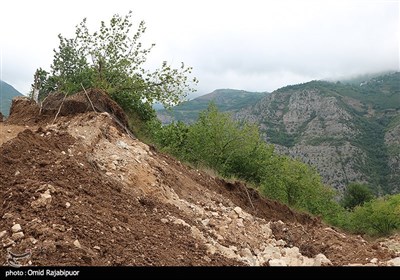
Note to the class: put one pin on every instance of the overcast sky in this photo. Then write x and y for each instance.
(255, 45)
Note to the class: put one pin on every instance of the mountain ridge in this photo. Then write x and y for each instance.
(7, 93)
(338, 128)
(226, 100)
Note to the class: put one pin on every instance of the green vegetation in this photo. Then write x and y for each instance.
(356, 194)
(7, 93)
(236, 150)
(112, 59)
(377, 217)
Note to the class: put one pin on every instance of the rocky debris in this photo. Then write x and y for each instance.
(16, 228)
(3, 234)
(321, 260)
(67, 205)
(77, 244)
(394, 262)
(7, 216)
(8, 242)
(277, 262)
(44, 200)
(17, 235)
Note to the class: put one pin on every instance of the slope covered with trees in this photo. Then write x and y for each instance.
(348, 132)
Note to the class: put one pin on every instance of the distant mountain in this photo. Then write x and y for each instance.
(7, 93)
(226, 100)
(348, 131)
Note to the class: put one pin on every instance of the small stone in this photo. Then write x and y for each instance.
(9, 130)
(164, 221)
(62, 152)
(394, 262)
(33, 240)
(96, 248)
(234, 248)
(77, 244)
(17, 235)
(17, 173)
(8, 242)
(277, 262)
(7, 216)
(214, 214)
(181, 222)
(59, 227)
(271, 252)
(3, 233)
(266, 231)
(238, 210)
(16, 228)
(229, 253)
(374, 260)
(67, 205)
(122, 144)
(114, 229)
(239, 223)
(43, 201)
(280, 242)
(205, 222)
(322, 260)
(246, 253)
(210, 249)
(219, 237)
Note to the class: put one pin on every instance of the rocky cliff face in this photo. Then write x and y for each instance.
(337, 128)
(392, 140)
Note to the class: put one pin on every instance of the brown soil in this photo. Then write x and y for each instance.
(127, 204)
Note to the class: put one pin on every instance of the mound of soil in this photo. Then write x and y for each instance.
(25, 111)
(113, 227)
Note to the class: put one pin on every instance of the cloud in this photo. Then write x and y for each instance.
(251, 45)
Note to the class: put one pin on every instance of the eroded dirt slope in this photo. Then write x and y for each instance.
(79, 190)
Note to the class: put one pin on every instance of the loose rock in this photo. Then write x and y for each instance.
(77, 244)
(321, 260)
(17, 235)
(16, 228)
(8, 242)
(3, 233)
(277, 262)
(394, 262)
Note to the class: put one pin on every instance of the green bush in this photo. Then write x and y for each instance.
(380, 216)
(356, 194)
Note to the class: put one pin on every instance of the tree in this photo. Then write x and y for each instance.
(356, 194)
(112, 59)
